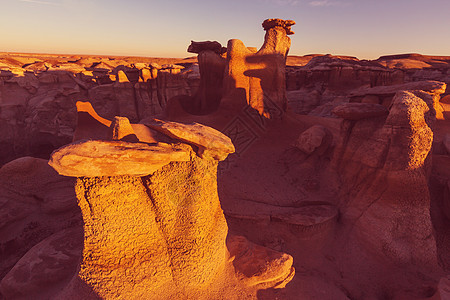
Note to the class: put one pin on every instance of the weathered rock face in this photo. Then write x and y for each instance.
(35, 202)
(418, 67)
(325, 78)
(429, 91)
(46, 267)
(338, 73)
(383, 165)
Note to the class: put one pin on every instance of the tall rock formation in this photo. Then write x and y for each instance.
(262, 74)
(211, 67)
(245, 78)
(383, 159)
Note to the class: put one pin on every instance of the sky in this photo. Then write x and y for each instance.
(366, 29)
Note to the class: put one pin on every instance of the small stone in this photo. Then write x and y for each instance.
(121, 130)
(122, 77)
(258, 265)
(311, 139)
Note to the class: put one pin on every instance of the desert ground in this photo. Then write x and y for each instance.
(235, 173)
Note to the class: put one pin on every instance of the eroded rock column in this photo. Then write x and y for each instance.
(146, 233)
(383, 160)
(153, 225)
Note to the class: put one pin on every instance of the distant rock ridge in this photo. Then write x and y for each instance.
(415, 56)
(197, 47)
(38, 92)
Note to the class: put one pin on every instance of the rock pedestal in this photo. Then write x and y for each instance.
(152, 217)
(153, 224)
(145, 235)
(211, 68)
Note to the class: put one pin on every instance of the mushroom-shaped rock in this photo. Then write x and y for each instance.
(160, 236)
(210, 141)
(357, 111)
(272, 23)
(211, 68)
(88, 158)
(245, 77)
(153, 224)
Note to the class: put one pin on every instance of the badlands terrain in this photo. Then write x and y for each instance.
(236, 173)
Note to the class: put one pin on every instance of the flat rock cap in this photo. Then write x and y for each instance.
(197, 47)
(94, 158)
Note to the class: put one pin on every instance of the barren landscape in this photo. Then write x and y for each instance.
(237, 173)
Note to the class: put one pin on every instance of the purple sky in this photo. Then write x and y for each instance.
(164, 28)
